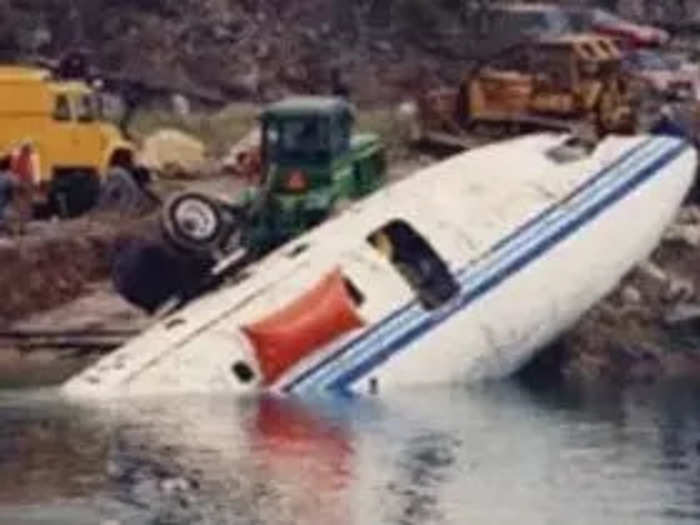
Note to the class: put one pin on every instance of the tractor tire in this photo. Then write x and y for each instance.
(74, 194)
(122, 194)
(196, 223)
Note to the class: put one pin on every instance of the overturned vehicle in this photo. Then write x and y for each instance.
(311, 165)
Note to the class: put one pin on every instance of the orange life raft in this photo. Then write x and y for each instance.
(316, 318)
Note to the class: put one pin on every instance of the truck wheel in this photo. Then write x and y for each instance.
(121, 193)
(74, 194)
(194, 222)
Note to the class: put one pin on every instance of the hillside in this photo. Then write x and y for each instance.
(260, 49)
(242, 48)
(248, 49)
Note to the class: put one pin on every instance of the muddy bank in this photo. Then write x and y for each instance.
(55, 262)
(26, 363)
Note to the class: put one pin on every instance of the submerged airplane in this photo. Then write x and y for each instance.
(458, 273)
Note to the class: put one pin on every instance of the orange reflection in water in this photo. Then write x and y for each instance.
(299, 448)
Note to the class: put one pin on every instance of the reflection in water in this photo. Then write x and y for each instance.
(307, 454)
(45, 450)
(500, 454)
(423, 467)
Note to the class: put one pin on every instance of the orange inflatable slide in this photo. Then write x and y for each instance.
(318, 317)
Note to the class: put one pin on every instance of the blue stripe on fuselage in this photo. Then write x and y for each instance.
(536, 235)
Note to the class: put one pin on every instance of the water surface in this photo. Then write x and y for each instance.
(496, 454)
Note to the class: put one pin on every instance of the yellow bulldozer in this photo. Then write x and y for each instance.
(568, 83)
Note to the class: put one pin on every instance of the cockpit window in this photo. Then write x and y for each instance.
(417, 262)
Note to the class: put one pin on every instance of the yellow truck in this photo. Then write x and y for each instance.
(77, 149)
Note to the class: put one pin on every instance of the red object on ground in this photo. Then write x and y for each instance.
(316, 318)
(249, 164)
(636, 35)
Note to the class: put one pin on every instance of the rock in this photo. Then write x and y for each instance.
(248, 144)
(171, 486)
(250, 82)
(679, 289)
(114, 469)
(221, 33)
(311, 36)
(682, 364)
(688, 234)
(10, 357)
(383, 46)
(43, 357)
(173, 153)
(631, 296)
(653, 272)
(406, 115)
(645, 371)
(681, 314)
(181, 105)
(262, 50)
(689, 215)
(691, 235)
(145, 491)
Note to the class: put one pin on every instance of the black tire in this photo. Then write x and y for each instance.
(121, 193)
(194, 223)
(73, 194)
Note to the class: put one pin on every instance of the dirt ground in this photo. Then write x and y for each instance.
(55, 261)
(98, 308)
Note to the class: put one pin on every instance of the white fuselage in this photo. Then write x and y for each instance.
(533, 243)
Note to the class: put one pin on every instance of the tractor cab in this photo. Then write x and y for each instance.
(312, 164)
(311, 161)
(302, 137)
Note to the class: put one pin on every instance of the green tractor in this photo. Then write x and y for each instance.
(311, 165)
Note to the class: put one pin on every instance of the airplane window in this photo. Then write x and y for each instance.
(417, 262)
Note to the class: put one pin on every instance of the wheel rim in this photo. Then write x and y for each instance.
(120, 193)
(197, 220)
